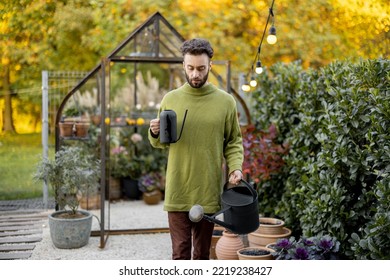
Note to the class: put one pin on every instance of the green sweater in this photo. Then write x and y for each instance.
(211, 134)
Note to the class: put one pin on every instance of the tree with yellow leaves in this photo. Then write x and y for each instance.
(74, 34)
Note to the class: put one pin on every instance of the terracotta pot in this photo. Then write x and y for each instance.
(255, 253)
(271, 246)
(270, 226)
(217, 234)
(228, 245)
(153, 197)
(82, 129)
(66, 129)
(96, 119)
(90, 202)
(114, 191)
(258, 239)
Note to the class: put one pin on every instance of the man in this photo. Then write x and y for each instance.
(211, 133)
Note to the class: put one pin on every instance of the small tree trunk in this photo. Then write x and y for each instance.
(8, 125)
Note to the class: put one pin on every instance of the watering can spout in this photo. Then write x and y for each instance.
(197, 213)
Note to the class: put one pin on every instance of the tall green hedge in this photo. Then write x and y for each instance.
(337, 175)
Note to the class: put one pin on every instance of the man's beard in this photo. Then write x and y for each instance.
(197, 83)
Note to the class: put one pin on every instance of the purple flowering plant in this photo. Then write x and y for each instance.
(312, 248)
(149, 182)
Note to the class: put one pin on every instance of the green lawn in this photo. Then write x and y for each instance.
(19, 155)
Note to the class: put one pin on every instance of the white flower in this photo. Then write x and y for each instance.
(136, 137)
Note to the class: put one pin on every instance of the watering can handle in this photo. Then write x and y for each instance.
(182, 126)
(251, 189)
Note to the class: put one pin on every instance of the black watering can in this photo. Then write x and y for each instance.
(168, 126)
(239, 207)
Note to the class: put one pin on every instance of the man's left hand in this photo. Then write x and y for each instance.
(235, 177)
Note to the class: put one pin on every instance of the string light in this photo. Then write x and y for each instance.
(253, 82)
(259, 67)
(245, 87)
(271, 39)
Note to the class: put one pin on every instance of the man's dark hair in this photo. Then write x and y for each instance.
(197, 46)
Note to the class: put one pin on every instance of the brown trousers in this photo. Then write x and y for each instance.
(186, 235)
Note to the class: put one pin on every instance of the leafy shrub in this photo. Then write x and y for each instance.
(336, 177)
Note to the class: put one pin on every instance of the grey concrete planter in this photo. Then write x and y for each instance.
(70, 233)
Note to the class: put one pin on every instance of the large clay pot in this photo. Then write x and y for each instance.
(217, 234)
(259, 239)
(228, 245)
(270, 226)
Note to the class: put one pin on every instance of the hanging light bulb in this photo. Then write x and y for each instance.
(253, 82)
(245, 87)
(259, 68)
(271, 39)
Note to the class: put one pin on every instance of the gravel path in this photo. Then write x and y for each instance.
(123, 215)
(118, 247)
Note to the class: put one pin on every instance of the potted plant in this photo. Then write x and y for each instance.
(96, 116)
(150, 186)
(72, 124)
(118, 170)
(71, 173)
(255, 253)
(132, 170)
(155, 160)
(132, 164)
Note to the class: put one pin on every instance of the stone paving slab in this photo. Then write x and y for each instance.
(34, 203)
(15, 255)
(21, 223)
(16, 247)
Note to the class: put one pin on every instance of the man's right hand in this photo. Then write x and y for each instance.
(155, 126)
